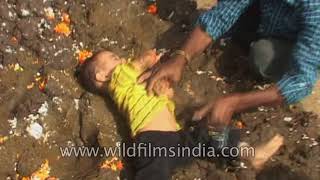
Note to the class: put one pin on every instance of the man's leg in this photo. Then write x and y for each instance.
(271, 58)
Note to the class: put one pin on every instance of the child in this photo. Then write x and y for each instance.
(151, 118)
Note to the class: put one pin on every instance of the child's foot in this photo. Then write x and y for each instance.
(265, 151)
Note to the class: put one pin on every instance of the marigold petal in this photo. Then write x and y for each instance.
(62, 28)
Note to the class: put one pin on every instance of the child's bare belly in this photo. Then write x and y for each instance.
(163, 121)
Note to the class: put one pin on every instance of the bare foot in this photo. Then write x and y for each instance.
(265, 151)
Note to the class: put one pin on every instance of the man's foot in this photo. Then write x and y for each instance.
(265, 151)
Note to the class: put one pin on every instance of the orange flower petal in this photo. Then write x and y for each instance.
(3, 139)
(152, 9)
(113, 167)
(119, 165)
(66, 18)
(42, 173)
(14, 40)
(83, 55)
(42, 84)
(62, 28)
(240, 124)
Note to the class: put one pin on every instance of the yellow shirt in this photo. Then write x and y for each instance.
(132, 98)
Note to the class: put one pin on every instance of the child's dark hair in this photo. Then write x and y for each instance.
(84, 75)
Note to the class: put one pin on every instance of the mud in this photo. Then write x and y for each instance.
(70, 116)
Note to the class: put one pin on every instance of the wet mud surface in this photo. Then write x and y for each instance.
(35, 121)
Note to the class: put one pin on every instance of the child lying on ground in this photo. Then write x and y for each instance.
(151, 118)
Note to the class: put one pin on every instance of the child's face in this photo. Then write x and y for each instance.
(104, 64)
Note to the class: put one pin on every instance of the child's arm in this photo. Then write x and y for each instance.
(146, 60)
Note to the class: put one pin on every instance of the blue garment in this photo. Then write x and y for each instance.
(296, 20)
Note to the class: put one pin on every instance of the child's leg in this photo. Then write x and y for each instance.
(230, 137)
(217, 138)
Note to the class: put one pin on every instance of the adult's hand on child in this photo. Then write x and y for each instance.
(219, 111)
(170, 70)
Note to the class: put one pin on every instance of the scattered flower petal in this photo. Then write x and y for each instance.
(42, 173)
(66, 18)
(14, 40)
(119, 165)
(42, 83)
(17, 68)
(114, 164)
(63, 28)
(239, 124)
(152, 9)
(43, 110)
(83, 55)
(30, 86)
(49, 13)
(3, 139)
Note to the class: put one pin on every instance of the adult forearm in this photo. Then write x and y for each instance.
(197, 42)
(269, 97)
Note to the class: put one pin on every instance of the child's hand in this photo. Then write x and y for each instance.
(163, 88)
(150, 58)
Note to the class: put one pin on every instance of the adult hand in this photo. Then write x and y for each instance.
(170, 70)
(219, 111)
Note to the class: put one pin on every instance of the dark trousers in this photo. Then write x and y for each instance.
(155, 167)
(158, 165)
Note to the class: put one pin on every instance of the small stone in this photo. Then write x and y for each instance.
(314, 143)
(17, 68)
(43, 110)
(25, 12)
(13, 122)
(35, 130)
(242, 165)
(261, 109)
(76, 104)
(287, 119)
(304, 137)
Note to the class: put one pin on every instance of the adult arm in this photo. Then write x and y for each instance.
(300, 81)
(293, 86)
(210, 26)
(221, 110)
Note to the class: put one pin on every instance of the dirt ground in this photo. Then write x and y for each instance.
(34, 123)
